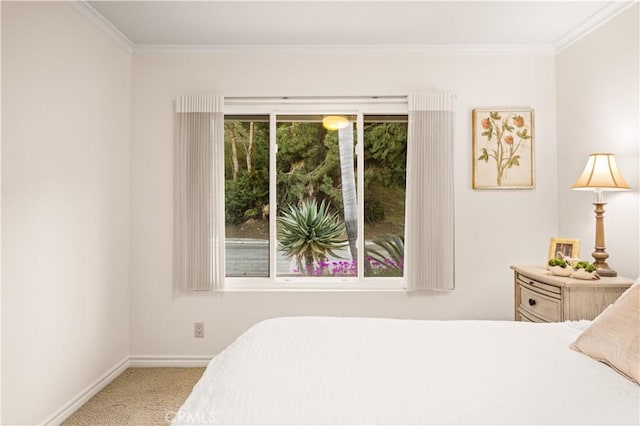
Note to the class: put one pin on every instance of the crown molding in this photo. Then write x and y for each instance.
(96, 18)
(419, 49)
(606, 13)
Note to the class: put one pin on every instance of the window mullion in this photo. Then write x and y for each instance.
(360, 193)
(273, 208)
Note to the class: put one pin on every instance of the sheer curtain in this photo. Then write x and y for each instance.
(430, 213)
(198, 249)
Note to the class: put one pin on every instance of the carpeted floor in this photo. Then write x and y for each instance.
(139, 396)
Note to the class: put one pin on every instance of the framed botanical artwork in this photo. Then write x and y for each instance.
(560, 248)
(503, 148)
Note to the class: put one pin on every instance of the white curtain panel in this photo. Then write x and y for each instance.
(198, 249)
(429, 254)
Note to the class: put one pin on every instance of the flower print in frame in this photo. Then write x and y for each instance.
(503, 148)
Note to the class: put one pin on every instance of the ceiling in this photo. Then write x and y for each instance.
(354, 23)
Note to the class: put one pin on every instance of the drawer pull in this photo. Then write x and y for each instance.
(532, 302)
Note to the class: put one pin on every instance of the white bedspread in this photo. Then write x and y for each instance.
(313, 370)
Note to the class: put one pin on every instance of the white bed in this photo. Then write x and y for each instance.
(316, 370)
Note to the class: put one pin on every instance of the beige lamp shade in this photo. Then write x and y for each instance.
(335, 122)
(601, 173)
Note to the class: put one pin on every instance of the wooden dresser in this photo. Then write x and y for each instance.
(542, 297)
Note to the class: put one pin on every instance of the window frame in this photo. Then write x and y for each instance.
(274, 107)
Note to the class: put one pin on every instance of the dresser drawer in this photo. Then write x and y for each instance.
(526, 316)
(549, 290)
(539, 304)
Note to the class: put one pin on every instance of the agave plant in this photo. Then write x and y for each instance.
(309, 232)
(388, 256)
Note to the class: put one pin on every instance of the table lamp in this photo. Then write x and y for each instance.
(601, 174)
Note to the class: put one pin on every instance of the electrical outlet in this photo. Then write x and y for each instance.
(198, 329)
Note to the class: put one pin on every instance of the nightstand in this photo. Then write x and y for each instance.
(542, 297)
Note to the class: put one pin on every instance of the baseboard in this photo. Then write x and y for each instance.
(169, 360)
(76, 402)
(130, 361)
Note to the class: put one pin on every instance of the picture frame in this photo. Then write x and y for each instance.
(502, 148)
(565, 246)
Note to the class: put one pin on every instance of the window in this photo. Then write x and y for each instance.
(293, 213)
(246, 151)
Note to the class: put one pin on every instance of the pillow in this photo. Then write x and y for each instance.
(614, 336)
(636, 282)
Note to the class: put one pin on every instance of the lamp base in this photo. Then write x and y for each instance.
(606, 272)
(600, 254)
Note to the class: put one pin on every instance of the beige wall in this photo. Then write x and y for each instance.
(493, 228)
(66, 93)
(597, 81)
